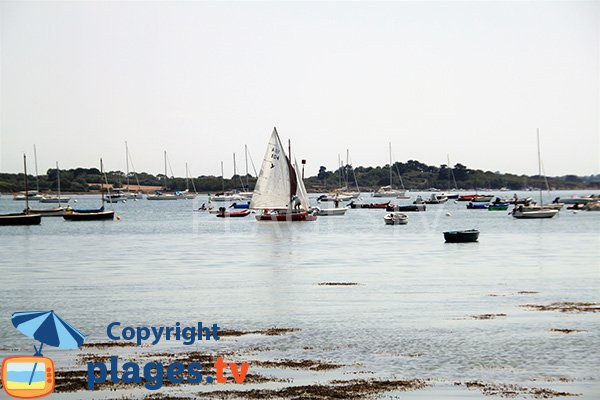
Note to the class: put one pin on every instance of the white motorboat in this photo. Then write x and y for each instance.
(162, 196)
(32, 195)
(524, 213)
(330, 211)
(395, 218)
(50, 198)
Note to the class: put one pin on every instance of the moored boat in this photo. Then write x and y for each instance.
(223, 213)
(20, 219)
(522, 212)
(280, 194)
(330, 211)
(395, 218)
(26, 217)
(50, 212)
(50, 198)
(407, 208)
(467, 197)
(483, 198)
(91, 214)
(464, 236)
(352, 204)
(498, 207)
(436, 199)
(477, 206)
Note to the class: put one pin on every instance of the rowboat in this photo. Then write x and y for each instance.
(395, 218)
(477, 206)
(523, 213)
(91, 214)
(20, 219)
(407, 208)
(466, 236)
(352, 204)
(330, 211)
(483, 199)
(232, 214)
(498, 207)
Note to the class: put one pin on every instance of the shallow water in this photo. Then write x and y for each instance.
(409, 315)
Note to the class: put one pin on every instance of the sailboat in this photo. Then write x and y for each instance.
(93, 214)
(523, 211)
(453, 193)
(280, 194)
(55, 211)
(225, 196)
(158, 195)
(187, 194)
(26, 217)
(389, 191)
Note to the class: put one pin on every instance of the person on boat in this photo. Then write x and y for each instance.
(203, 208)
(296, 203)
(336, 202)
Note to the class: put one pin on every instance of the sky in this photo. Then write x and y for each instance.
(469, 79)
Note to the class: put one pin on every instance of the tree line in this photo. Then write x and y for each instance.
(412, 175)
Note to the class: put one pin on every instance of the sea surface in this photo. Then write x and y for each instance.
(409, 316)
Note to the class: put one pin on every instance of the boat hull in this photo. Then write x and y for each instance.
(89, 216)
(286, 217)
(395, 218)
(409, 208)
(233, 214)
(20, 219)
(322, 212)
(467, 236)
(534, 214)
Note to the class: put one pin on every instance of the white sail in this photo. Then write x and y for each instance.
(273, 187)
(301, 189)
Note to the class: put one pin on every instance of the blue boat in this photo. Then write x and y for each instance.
(477, 206)
(235, 205)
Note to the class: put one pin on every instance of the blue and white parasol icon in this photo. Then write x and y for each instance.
(48, 328)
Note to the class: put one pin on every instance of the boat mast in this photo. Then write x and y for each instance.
(58, 180)
(101, 185)
(187, 180)
(452, 172)
(127, 165)
(539, 164)
(340, 171)
(246, 157)
(165, 170)
(222, 177)
(26, 188)
(37, 177)
(390, 143)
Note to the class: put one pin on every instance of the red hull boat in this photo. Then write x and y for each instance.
(285, 216)
(233, 214)
(468, 197)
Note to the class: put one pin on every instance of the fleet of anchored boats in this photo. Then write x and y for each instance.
(280, 195)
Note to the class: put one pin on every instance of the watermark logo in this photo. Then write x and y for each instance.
(31, 377)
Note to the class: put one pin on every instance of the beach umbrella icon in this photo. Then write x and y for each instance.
(48, 328)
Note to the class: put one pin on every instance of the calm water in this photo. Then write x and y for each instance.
(408, 317)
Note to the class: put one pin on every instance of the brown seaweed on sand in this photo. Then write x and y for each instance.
(511, 391)
(566, 307)
(559, 330)
(274, 331)
(297, 364)
(338, 284)
(487, 316)
(353, 389)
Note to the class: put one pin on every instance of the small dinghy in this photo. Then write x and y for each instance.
(408, 208)
(498, 207)
(477, 206)
(329, 211)
(223, 213)
(395, 218)
(88, 216)
(240, 206)
(371, 205)
(470, 235)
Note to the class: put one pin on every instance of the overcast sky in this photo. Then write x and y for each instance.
(200, 80)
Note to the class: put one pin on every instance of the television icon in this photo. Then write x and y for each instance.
(28, 377)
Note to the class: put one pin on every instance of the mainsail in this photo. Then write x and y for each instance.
(274, 185)
(301, 190)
